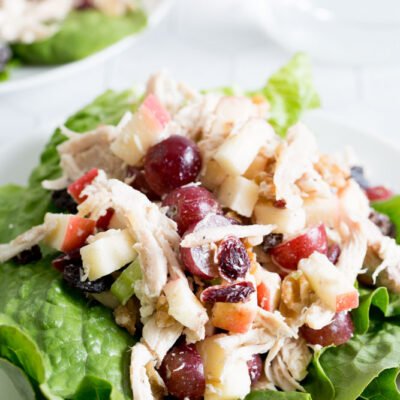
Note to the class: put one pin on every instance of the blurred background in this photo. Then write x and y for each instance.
(354, 46)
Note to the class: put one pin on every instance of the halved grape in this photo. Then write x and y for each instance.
(255, 366)
(339, 331)
(233, 260)
(136, 178)
(190, 204)
(172, 163)
(183, 372)
(199, 260)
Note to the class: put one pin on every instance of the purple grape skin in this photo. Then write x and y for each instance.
(199, 260)
(188, 205)
(234, 293)
(233, 260)
(174, 162)
(183, 372)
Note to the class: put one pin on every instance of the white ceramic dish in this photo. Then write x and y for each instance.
(379, 158)
(27, 77)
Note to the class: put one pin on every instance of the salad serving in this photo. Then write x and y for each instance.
(199, 245)
(47, 32)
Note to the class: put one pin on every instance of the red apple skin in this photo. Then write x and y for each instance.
(233, 317)
(152, 103)
(75, 188)
(347, 301)
(288, 254)
(264, 299)
(77, 232)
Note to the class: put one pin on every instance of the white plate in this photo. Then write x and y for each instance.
(27, 77)
(379, 158)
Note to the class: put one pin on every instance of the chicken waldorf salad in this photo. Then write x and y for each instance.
(43, 32)
(198, 245)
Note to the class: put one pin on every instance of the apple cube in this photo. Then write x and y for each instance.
(329, 283)
(75, 188)
(268, 289)
(286, 220)
(238, 151)
(108, 252)
(70, 231)
(183, 305)
(142, 131)
(234, 317)
(239, 194)
(227, 377)
(258, 165)
(214, 175)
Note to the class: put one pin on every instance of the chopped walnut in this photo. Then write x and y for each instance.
(127, 315)
(334, 174)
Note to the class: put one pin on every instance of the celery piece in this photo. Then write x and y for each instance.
(123, 288)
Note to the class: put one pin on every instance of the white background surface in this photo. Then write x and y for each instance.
(208, 43)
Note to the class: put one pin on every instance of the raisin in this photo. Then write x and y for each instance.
(384, 223)
(272, 240)
(72, 275)
(28, 256)
(235, 293)
(63, 201)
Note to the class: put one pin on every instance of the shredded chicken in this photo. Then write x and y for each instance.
(287, 362)
(295, 158)
(215, 234)
(26, 240)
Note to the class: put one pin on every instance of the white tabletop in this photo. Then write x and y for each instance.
(208, 43)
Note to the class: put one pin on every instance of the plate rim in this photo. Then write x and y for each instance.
(155, 14)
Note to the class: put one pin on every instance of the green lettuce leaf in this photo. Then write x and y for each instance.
(290, 92)
(351, 370)
(384, 387)
(391, 208)
(81, 34)
(273, 395)
(67, 347)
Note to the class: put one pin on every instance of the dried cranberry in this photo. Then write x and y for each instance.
(333, 253)
(378, 193)
(28, 256)
(233, 260)
(357, 173)
(384, 223)
(63, 201)
(280, 203)
(272, 240)
(73, 257)
(72, 275)
(235, 293)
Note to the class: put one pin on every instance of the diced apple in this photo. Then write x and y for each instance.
(70, 231)
(214, 175)
(329, 283)
(287, 221)
(142, 131)
(227, 377)
(75, 188)
(268, 289)
(322, 210)
(238, 151)
(108, 252)
(258, 165)
(239, 194)
(183, 305)
(234, 317)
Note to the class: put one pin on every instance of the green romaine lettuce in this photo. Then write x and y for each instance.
(391, 208)
(81, 34)
(290, 92)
